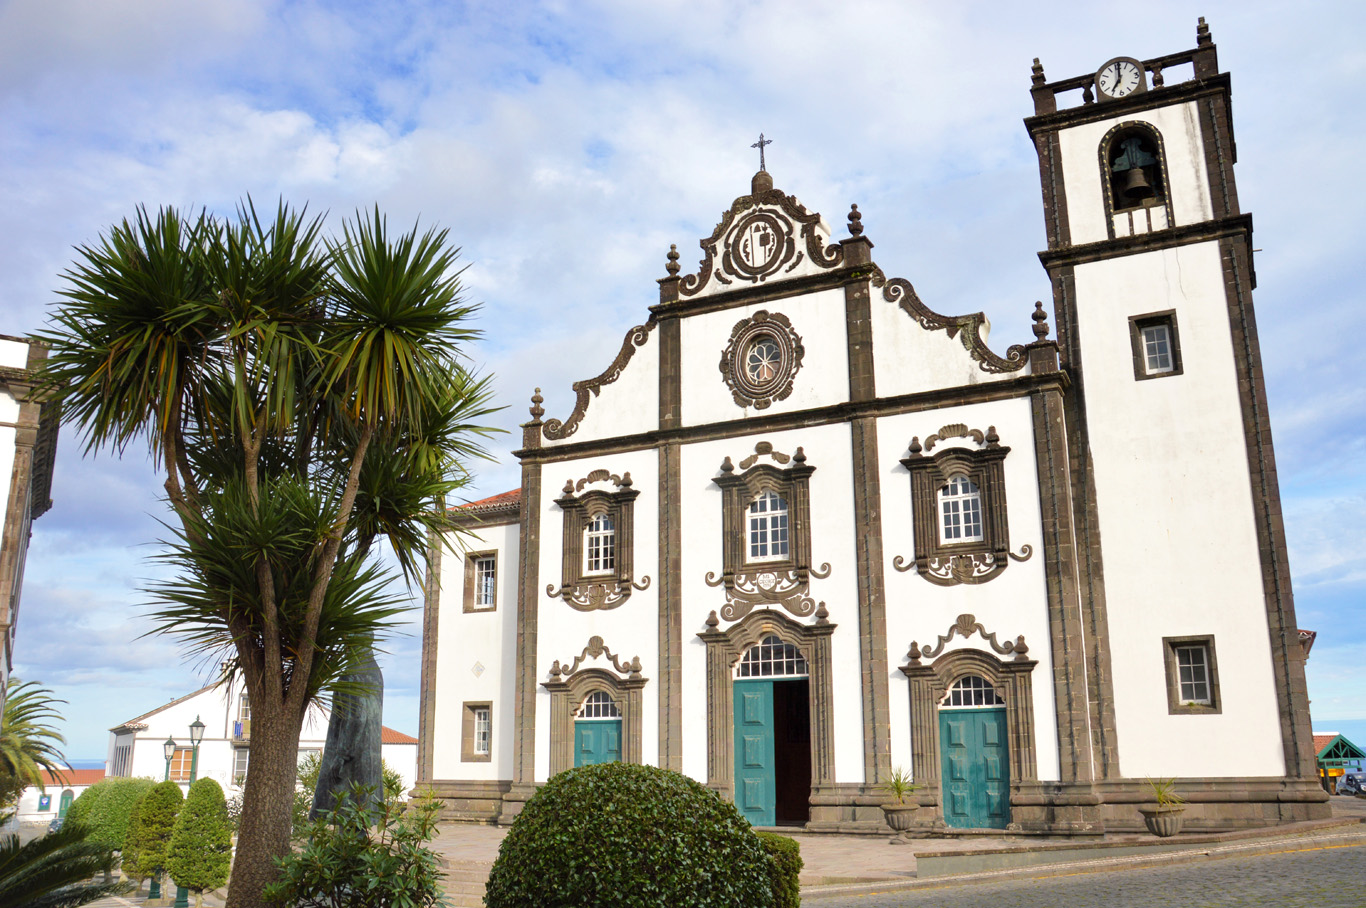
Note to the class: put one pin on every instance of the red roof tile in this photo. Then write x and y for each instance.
(1322, 741)
(73, 777)
(388, 735)
(493, 501)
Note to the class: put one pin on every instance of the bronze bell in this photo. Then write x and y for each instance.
(1136, 185)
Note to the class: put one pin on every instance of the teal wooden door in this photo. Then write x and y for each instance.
(756, 788)
(976, 768)
(65, 804)
(597, 741)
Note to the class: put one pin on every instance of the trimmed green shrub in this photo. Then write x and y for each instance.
(363, 859)
(619, 835)
(105, 808)
(785, 866)
(149, 831)
(200, 852)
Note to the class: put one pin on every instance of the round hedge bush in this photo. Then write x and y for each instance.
(618, 835)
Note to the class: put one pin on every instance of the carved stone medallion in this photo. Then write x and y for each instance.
(761, 244)
(762, 359)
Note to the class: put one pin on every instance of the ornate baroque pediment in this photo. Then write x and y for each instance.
(764, 236)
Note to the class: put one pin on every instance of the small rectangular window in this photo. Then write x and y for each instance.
(481, 581)
(1156, 346)
(600, 549)
(476, 735)
(239, 764)
(181, 763)
(1192, 675)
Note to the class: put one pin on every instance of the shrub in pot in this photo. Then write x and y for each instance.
(1165, 818)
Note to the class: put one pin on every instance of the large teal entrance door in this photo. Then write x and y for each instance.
(976, 768)
(597, 741)
(756, 789)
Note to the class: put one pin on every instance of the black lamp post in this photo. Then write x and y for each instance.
(182, 896)
(169, 749)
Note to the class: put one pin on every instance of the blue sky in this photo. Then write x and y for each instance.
(566, 145)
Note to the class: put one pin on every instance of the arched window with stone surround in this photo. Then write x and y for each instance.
(970, 692)
(1134, 180)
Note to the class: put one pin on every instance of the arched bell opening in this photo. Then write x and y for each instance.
(1134, 175)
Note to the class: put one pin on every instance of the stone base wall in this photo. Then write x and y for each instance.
(469, 802)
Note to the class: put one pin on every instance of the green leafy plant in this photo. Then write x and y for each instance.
(621, 834)
(28, 741)
(149, 832)
(354, 858)
(1164, 792)
(310, 768)
(55, 870)
(200, 850)
(785, 867)
(105, 809)
(898, 785)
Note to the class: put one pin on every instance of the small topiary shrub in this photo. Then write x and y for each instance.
(785, 865)
(618, 835)
(149, 832)
(105, 808)
(200, 850)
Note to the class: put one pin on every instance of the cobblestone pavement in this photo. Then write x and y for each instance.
(1322, 877)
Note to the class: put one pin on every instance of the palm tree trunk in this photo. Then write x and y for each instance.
(267, 801)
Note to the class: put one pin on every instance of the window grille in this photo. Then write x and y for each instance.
(1157, 348)
(772, 658)
(600, 550)
(961, 508)
(483, 730)
(1192, 666)
(122, 761)
(599, 705)
(768, 535)
(972, 691)
(485, 582)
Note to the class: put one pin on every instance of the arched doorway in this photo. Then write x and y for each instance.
(65, 803)
(975, 750)
(597, 730)
(772, 709)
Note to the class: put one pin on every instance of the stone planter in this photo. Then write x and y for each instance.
(1162, 821)
(900, 816)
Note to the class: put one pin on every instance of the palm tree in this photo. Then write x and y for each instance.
(303, 397)
(28, 741)
(54, 871)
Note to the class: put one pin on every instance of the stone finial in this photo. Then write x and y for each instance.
(537, 411)
(1202, 35)
(635, 666)
(1036, 74)
(992, 439)
(1040, 321)
(712, 621)
(1158, 79)
(625, 480)
(1087, 94)
(727, 466)
(762, 182)
(915, 444)
(913, 654)
(1021, 649)
(855, 221)
(672, 266)
(822, 614)
(800, 456)
(555, 671)
(568, 488)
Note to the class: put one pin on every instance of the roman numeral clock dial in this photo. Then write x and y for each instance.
(1120, 78)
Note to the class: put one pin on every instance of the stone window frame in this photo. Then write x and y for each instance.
(724, 651)
(1013, 681)
(972, 561)
(468, 715)
(586, 591)
(1120, 131)
(1174, 705)
(1147, 320)
(567, 694)
(738, 490)
(471, 596)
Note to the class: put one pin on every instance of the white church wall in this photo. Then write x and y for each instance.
(631, 629)
(477, 658)
(827, 448)
(908, 357)
(1013, 603)
(1176, 518)
(1179, 126)
(619, 407)
(822, 380)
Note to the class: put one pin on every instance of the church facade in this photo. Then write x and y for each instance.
(804, 530)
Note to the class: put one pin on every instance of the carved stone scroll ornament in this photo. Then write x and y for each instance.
(760, 589)
(967, 567)
(636, 337)
(589, 597)
(965, 627)
(899, 291)
(595, 649)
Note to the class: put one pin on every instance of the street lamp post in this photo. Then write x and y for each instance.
(182, 896)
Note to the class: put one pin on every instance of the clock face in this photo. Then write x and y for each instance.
(1119, 78)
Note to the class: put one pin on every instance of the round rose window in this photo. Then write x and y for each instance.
(761, 364)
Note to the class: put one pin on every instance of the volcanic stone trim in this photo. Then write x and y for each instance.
(1148, 320)
(524, 684)
(467, 600)
(469, 801)
(636, 337)
(1172, 237)
(670, 608)
(872, 603)
(1000, 389)
(1056, 225)
(590, 592)
(724, 649)
(670, 373)
(1219, 804)
(431, 625)
(1287, 656)
(1132, 127)
(1174, 705)
(1216, 134)
(30, 483)
(859, 336)
(467, 716)
(1153, 99)
(566, 696)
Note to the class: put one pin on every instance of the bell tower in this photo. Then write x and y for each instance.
(1181, 550)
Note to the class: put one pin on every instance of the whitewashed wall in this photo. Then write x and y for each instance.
(1012, 604)
(628, 405)
(1179, 126)
(908, 358)
(469, 639)
(1176, 519)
